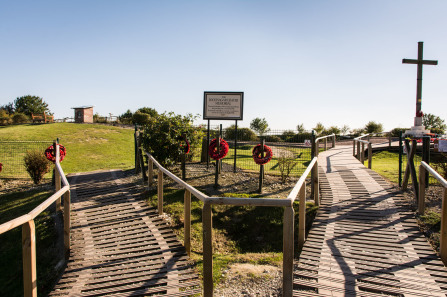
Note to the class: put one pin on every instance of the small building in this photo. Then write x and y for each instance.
(83, 114)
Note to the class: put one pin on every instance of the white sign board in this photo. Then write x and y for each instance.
(442, 145)
(223, 105)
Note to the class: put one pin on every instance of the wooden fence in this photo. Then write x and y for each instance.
(359, 142)
(288, 220)
(29, 229)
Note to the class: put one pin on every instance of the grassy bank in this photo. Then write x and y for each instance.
(89, 147)
(241, 234)
(48, 244)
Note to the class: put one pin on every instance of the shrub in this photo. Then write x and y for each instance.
(395, 131)
(162, 137)
(141, 118)
(20, 118)
(244, 134)
(5, 118)
(36, 165)
(272, 138)
(288, 135)
(373, 127)
(286, 165)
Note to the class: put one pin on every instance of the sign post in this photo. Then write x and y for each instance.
(223, 106)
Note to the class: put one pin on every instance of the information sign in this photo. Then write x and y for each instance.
(223, 105)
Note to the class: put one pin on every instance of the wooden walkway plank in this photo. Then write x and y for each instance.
(120, 246)
(364, 242)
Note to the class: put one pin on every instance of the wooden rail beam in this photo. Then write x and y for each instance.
(422, 186)
(302, 218)
(370, 152)
(150, 165)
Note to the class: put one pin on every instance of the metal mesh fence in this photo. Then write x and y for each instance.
(290, 151)
(12, 154)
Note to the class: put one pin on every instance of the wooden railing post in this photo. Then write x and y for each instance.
(358, 150)
(421, 202)
(389, 139)
(325, 144)
(362, 154)
(187, 222)
(353, 148)
(315, 184)
(29, 259)
(150, 165)
(369, 155)
(57, 176)
(67, 223)
(443, 239)
(333, 141)
(302, 217)
(289, 217)
(207, 225)
(160, 191)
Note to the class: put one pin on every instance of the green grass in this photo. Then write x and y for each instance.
(387, 164)
(245, 160)
(89, 147)
(48, 244)
(241, 234)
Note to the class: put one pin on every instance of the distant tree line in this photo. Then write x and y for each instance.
(20, 111)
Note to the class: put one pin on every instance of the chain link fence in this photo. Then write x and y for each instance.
(12, 154)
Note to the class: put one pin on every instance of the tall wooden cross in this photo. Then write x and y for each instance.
(420, 61)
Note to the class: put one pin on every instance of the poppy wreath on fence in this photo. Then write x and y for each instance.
(212, 150)
(1, 167)
(186, 147)
(49, 153)
(268, 154)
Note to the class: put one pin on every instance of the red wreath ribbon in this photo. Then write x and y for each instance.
(49, 153)
(224, 148)
(1, 167)
(268, 154)
(187, 147)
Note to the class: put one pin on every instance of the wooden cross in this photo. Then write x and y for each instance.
(420, 61)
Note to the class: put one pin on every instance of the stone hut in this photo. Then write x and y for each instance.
(83, 114)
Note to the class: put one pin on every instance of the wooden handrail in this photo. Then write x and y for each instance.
(29, 230)
(361, 152)
(424, 168)
(288, 232)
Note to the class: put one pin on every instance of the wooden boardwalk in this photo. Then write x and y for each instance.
(120, 246)
(364, 242)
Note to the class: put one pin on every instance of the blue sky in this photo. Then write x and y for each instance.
(334, 62)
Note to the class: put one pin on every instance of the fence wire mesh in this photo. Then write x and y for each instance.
(12, 154)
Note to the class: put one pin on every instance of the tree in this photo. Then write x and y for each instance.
(126, 118)
(332, 130)
(260, 125)
(433, 122)
(300, 128)
(345, 129)
(31, 104)
(319, 128)
(373, 127)
(9, 108)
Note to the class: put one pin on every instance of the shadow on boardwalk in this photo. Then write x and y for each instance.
(364, 242)
(120, 246)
